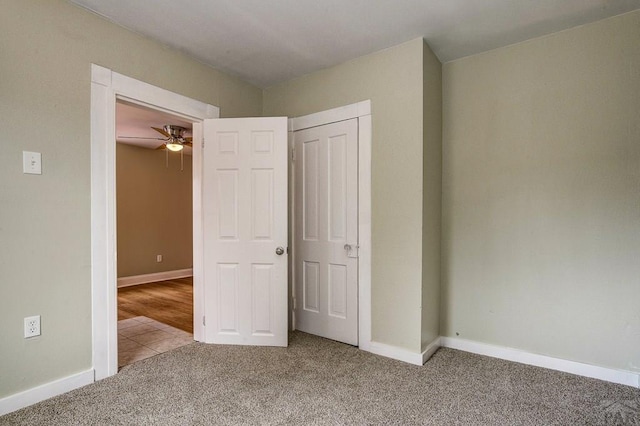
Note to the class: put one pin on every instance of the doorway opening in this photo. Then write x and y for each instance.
(154, 233)
(106, 88)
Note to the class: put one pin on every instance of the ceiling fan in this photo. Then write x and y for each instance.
(173, 137)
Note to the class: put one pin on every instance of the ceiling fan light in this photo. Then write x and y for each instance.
(175, 146)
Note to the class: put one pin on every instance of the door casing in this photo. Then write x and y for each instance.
(361, 111)
(106, 87)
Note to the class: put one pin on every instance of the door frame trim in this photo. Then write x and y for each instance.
(106, 87)
(362, 112)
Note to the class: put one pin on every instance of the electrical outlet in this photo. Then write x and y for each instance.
(159, 258)
(32, 326)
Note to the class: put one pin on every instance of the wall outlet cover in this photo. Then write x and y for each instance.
(32, 326)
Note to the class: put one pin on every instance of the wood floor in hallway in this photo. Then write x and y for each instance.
(169, 302)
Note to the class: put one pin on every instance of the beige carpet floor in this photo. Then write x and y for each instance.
(320, 382)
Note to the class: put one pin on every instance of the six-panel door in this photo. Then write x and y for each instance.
(326, 230)
(245, 221)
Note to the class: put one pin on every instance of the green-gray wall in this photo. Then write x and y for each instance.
(46, 48)
(541, 197)
(393, 80)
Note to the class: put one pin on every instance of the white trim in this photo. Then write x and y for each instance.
(361, 111)
(292, 230)
(334, 115)
(103, 247)
(154, 277)
(364, 230)
(402, 354)
(430, 350)
(31, 396)
(198, 240)
(587, 370)
(106, 86)
(395, 352)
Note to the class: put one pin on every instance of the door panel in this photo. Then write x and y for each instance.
(228, 289)
(310, 189)
(244, 221)
(337, 196)
(326, 223)
(311, 286)
(261, 204)
(338, 291)
(228, 201)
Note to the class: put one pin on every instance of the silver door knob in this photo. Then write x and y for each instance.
(280, 251)
(352, 250)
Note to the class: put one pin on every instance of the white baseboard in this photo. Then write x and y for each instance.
(48, 390)
(587, 370)
(156, 276)
(394, 352)
(402, 354)
(430, 350)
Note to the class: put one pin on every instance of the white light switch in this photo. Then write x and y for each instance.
(31, 163)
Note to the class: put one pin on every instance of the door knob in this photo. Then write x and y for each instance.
(352, 250)
(280, 251)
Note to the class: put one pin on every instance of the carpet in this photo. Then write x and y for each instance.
(321, 382)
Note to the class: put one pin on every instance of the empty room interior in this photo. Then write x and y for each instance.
(375, 213)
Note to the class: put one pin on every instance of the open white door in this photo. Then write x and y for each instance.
(244, 202)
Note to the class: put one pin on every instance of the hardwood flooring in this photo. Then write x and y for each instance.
(169, 302)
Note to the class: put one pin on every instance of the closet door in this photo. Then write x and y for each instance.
(326, 230)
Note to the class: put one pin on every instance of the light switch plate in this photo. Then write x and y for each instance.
(31, 163)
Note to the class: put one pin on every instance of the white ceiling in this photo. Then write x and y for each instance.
(137, 122)
(270, 41)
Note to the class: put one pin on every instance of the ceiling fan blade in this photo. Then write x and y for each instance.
(139, 137)
(157, 129)
(163, 146)
(187, 144)
(188, 139)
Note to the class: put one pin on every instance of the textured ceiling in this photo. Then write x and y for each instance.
(266, 42)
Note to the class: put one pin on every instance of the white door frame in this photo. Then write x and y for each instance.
(361, 111)
(106, 87)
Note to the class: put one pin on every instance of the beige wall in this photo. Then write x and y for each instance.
(47, 49)
(393, 80)
(432, 194)
(154, 211)
(541, 236)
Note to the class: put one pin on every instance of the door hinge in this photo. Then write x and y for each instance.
(293, 155)
(204, 321)
(293, 303)
(202, 143)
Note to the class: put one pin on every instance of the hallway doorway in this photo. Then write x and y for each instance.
(154, 318)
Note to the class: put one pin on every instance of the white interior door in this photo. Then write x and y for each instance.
(244, 201)
(326, 231)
